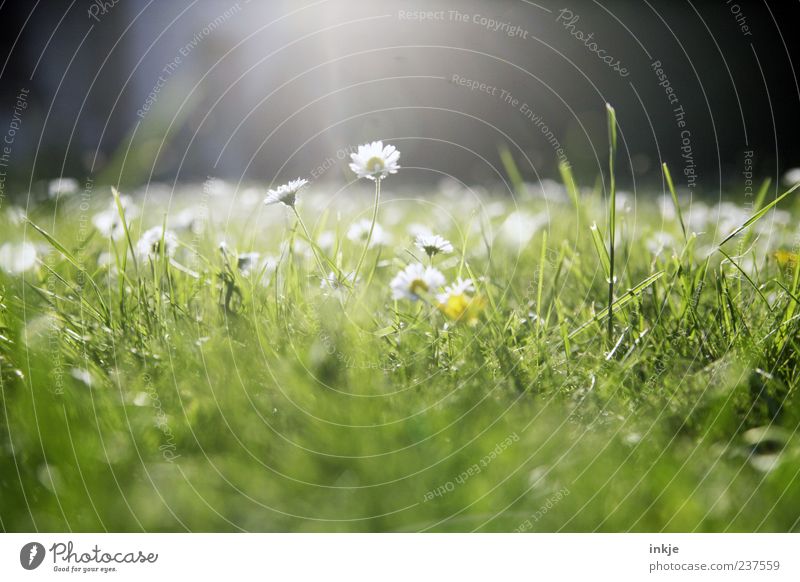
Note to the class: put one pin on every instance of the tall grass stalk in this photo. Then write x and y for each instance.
(612, 213)
(674, 195)
(371, 230)
(311, 242)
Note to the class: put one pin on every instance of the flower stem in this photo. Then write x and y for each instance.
(371, 229)
(311, 243)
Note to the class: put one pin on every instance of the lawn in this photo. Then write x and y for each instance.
(165, 380)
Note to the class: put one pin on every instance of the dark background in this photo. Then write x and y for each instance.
(278, 87)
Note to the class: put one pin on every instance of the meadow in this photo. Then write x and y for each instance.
(545, 357)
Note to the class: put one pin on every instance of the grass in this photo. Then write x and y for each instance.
(173, 394)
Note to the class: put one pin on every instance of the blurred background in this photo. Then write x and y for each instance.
(134, 91)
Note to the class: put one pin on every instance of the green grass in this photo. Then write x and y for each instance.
(167, 395)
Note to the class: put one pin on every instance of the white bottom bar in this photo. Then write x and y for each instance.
(401, 557)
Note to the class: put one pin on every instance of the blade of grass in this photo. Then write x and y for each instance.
(74, 262)
(512, 170)
(747, 277)
(757, 204)
(612, 213)
(621, 301)
(758, 215)
(671, 186)
(600, 247)
(121, 212)
(540, 282)
(569, 183)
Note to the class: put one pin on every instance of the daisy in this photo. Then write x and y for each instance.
(108, 221)
(326, 240)
(359, 232)
(660, 241)
(415, 280)
(62, 186)
(217, 187)
(519, 227)
(375, 161)
(109, 224)
(728, 217)
(192, 219)
(246, 262)
(16, 214)
(332, 284)
(667, 208)
(624, 201)
(698, 217)
(17, 258)
(287, 193)
(267, 268)
(433, 245)
(792, 177)
(149, 245)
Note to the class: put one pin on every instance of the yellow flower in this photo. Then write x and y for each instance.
(458, 305)
(785, 259)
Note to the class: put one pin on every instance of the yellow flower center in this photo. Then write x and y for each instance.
(418, 286)
(375, 164)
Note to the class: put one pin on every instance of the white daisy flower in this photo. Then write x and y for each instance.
(659, 242)
(16, 214)
(192, 219)
(332, 283)
(495, 209)
(792, 177)
(17, 258)
(728, 217)
(326, 240)
(217, 187)
(246, 262)
(109, 223)
(520, 226)
(270, 264)
(375, 161)
(149, 245)
(697, 217)
(667, 208)
(266, 269)
(549, 190)
(415, 280)
(82, 375)
(433, 244)
(62, 186)
(624, 201)
(105, 259)
(130, 209)
(359, 231)
(287, 193)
